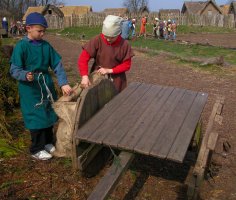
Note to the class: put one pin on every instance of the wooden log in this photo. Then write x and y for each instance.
(109, 181)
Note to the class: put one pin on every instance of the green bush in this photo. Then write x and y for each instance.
(8, 93)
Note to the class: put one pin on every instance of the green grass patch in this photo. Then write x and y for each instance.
(89, 32)
(182, 50)
(78, 33)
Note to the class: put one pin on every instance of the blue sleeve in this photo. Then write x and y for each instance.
(130, 24)
(61, 74)
(18, 73)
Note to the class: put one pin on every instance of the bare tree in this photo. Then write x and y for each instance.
(136, 6)
(16, 8)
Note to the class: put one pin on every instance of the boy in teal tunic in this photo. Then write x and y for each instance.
(30, 63)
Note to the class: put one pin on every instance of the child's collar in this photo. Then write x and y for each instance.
(32, 41)
(112, 44)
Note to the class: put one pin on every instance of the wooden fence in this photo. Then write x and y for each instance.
(227, 21)
(96, 19)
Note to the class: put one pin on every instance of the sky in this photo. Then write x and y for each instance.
(154, 5)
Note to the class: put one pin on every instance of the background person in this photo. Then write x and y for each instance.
(143, 26)
(125, 28)
(5, 24)
(133, 33)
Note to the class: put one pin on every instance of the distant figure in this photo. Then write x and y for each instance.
(133, 28)
(13, 29)
(156, 28)
(162, 28)
(169, 29)
(143, 26)
(125, 28)
(5, 24)
(173, 30)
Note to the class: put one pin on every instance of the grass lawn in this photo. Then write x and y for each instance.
(180, 50)
(185, 51)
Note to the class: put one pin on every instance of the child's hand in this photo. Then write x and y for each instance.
(104, 71)
(66, 90)
(85, 82)
(30, 76)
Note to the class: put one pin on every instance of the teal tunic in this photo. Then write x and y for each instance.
(34, 100)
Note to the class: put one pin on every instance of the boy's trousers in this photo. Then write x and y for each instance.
(39, 138)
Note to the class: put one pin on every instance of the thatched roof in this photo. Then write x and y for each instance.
(169, 11)
(53, 8)
(76, 10)
(232, 8)
(115, 11)
(38, 9)
(60, 11)
(197, 7)
(225, 9)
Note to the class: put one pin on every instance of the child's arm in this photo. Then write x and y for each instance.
(62, 79)
(83, 68)
(18, 73)
(123, 67)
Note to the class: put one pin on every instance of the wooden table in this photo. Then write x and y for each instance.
(149, 119)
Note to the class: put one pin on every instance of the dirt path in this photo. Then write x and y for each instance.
(148, 178)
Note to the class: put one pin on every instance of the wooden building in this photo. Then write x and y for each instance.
(165, 14)
(75, 10)
(55, 15)
(116, 11)
(200, 8)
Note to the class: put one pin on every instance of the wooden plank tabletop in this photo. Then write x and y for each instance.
(149, 119)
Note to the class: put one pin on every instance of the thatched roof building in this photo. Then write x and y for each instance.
(38, 9)
(76, 10)
(116, 11)
(168, 13)
(201, 7)
(62, 10)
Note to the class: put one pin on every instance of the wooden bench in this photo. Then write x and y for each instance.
(149, 119)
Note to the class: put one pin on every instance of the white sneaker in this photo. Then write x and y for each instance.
(50, 148)
(42, 155)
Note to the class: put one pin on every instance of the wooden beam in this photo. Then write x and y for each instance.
(212, 141)
(204, 151)
(109, 181)
(207, 146)
(87, 156)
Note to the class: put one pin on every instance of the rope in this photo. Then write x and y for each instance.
(49, 96)
(117, 161)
